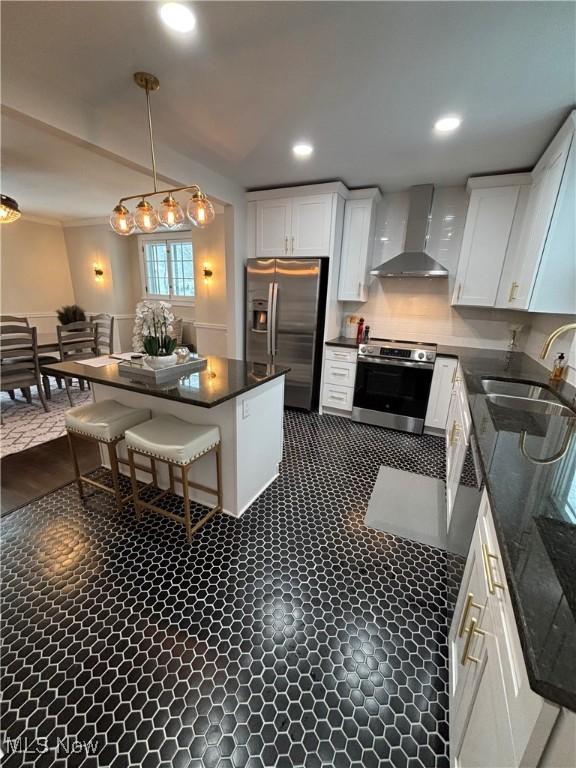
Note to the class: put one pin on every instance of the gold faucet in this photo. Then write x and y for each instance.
(553, 336)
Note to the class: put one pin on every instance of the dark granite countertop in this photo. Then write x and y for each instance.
(222, 380)
(534, 510)
(342, 341)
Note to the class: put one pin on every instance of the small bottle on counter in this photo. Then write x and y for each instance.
(360, 331)
(557, 373)
(366, 338)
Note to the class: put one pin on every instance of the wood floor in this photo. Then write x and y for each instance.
(37, 471)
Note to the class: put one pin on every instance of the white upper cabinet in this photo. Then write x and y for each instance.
(299, 227)
(525, 262)
(357, 242)
(311, 226)
(485, 242)
(555, 286)
(273, 222)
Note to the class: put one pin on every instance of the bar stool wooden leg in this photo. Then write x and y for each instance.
(113, 458)
(76, 466)
(134, 482)
(171, 476)
(186, 494)
(154, 472)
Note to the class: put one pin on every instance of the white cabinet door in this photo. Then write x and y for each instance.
(456, 441)
(487, 737)
(555, 287)
(273, 222)
(484, 244)
(311, 226)
(356, 251)
(516, 289)
(471, 605)
(440, 392)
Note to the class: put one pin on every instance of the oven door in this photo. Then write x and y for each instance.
(392, 394)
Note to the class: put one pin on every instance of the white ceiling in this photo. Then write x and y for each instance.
(363, 81)
(52, 177)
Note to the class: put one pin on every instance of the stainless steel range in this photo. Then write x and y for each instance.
(393, 381)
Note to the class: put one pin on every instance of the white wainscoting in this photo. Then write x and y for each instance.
(211, 338)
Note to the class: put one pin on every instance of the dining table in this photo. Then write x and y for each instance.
(47, 342)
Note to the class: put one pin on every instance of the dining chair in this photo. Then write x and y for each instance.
(42, 359)
(19, 366)
(76, 341)
(104, 332)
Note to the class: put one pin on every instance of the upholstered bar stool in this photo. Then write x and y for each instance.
(178, 444)
(105, 422)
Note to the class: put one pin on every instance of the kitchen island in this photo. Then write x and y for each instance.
(246, 400)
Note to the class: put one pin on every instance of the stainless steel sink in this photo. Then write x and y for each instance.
(532, 405)
(518, 389)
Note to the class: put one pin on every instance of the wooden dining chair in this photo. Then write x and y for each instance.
(42, 359)
(19, 366)
(76, 342)
(104, 332)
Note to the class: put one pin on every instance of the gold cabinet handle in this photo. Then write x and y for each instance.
(459, 291)
(487, 556)
(513, 290)
(472, 631)
(454, 372)
(292, 243)
(467, 605)
(286, 244)
(453, 432)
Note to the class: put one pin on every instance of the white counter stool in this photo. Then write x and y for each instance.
(105, 422)
(178, 444)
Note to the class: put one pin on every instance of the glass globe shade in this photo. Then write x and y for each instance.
(171, 214)
(122, 221)
(146, 217)
(200, 210)
(9, 210)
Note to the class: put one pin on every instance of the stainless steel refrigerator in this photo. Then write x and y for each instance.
(285, 308)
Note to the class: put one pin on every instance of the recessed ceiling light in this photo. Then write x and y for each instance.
(302, 150)
(178, 17)
(447, 123)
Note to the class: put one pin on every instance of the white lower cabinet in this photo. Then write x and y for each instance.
(440, 392)
(496, 719)
(458, 429)
(338, 379)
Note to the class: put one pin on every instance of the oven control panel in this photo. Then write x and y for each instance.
(402, 351)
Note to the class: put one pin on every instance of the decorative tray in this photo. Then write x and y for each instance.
(139, 371)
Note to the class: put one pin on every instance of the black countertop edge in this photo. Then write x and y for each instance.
(88, 373)
(342, 341)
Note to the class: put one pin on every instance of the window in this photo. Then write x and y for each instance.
(168, 267)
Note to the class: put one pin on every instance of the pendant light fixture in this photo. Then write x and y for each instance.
(9, 210)
(170, 215)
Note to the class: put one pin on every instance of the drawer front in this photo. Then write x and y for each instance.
(341, 354)
(337, 397)
(341, 374)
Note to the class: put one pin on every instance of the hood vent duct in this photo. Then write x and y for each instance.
(414, 261)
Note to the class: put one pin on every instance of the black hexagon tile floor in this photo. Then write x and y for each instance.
(293, 636)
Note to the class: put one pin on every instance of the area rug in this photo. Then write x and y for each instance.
(24, 425)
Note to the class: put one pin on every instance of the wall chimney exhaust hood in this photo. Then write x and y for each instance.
(414, 261)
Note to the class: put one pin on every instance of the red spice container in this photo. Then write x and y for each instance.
(360, 331)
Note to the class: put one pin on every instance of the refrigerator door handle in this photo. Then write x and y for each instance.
(270, 323)
(274, 318)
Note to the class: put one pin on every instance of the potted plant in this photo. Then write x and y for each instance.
(152, 333)
(70, 313)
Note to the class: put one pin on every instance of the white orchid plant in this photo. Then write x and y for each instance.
(152, 329)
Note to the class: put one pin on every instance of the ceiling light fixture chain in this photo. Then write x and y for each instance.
(170, 215)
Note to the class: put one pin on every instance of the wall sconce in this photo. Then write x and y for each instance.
(98, 273)
(207, 272)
